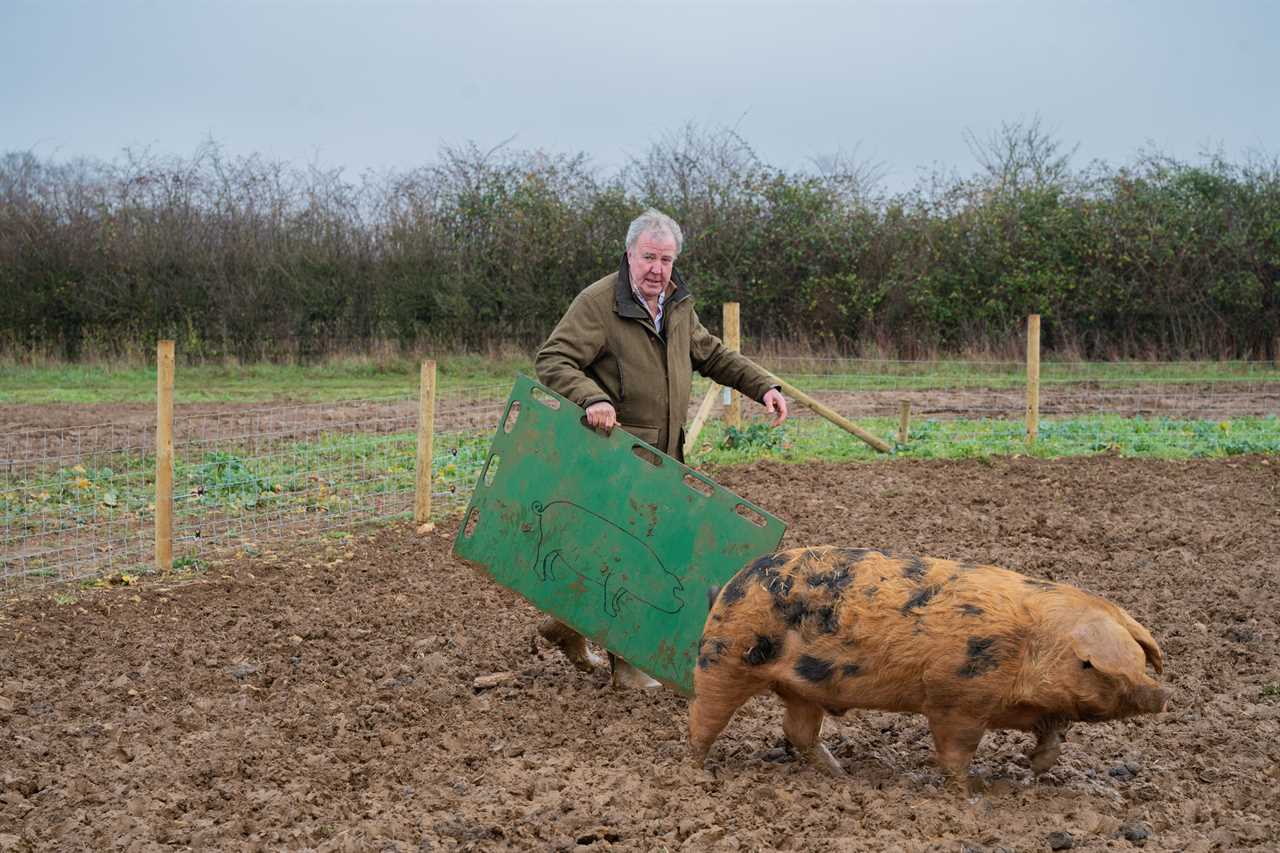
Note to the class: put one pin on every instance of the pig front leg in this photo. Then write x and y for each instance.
(802, 724)
(956, 736)
(1049, 732)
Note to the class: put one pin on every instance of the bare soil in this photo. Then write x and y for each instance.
(1212, 400)
(36, 435)
(323, 696)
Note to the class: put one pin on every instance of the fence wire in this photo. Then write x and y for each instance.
(77, 504)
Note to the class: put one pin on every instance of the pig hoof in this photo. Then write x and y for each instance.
(627, 676)
(822, 759)
(1043, 763)
(1045, 758)
(572, 644)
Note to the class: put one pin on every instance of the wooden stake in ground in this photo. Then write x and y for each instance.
(164, 456)
(1033, 377)
(833, 416)
(904, 421)
(426, 435)
(733, 340)
(700, 419)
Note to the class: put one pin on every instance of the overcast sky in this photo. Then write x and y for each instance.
(384, 85)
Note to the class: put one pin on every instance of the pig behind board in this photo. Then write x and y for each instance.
(970, 647)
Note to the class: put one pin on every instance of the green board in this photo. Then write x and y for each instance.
(606, 533)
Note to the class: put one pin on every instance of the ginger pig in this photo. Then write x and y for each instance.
(970, 647)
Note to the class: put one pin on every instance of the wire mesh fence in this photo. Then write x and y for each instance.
(78, 503)
(982, 405)
(75, 502)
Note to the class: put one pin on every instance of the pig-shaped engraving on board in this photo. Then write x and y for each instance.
(970, 647)
(601, 552)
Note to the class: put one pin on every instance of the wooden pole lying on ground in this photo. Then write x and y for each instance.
(700, 419)
(426, 433)
(164, 456)
(837, 419)
(904, 421)
(733, 340)
(1033, 377)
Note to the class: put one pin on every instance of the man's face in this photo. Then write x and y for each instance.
(650, 261)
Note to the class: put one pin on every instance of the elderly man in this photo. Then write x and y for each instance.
(625, 351)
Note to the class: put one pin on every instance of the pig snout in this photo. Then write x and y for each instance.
(1152, 699)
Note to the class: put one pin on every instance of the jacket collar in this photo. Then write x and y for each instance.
(625, 301)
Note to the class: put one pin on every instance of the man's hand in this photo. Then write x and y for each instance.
(776, 404)
(602, 416)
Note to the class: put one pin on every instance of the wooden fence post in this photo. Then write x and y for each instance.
(164, 456)
(732, 340)
(904, 421)
(1033, 377)
(426, 434)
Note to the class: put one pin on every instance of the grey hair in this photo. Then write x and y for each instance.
(654, 221)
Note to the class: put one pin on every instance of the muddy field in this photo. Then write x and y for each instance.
(213, 421)
(323, 697)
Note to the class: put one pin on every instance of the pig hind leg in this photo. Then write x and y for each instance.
(715, 702)
(802, 724)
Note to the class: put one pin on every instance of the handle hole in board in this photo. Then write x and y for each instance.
(698, 485)
(750, 515)
(647, 455)
(545, 399)
(491, 469)
(513, 415)
(472, 519)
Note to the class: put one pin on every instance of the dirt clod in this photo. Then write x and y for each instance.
(1060, 841)
(1136, 833)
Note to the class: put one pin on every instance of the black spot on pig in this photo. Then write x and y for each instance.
(834, 582)
(713, 592)
(827, 620)
(764, 650)
(735, 590)
(849, 670)
(870, 592)
(763, 568)
(849, 558)
(792, 612)
(920, 598)
(779, 586)
(980, 657)
(813, 669)
(970, 610)
(915, 569)
(768, 562)
(709, 652)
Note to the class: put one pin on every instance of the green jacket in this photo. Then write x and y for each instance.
(606, 348)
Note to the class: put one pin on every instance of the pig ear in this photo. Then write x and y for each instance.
(1144, 638)
(1107, 646)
